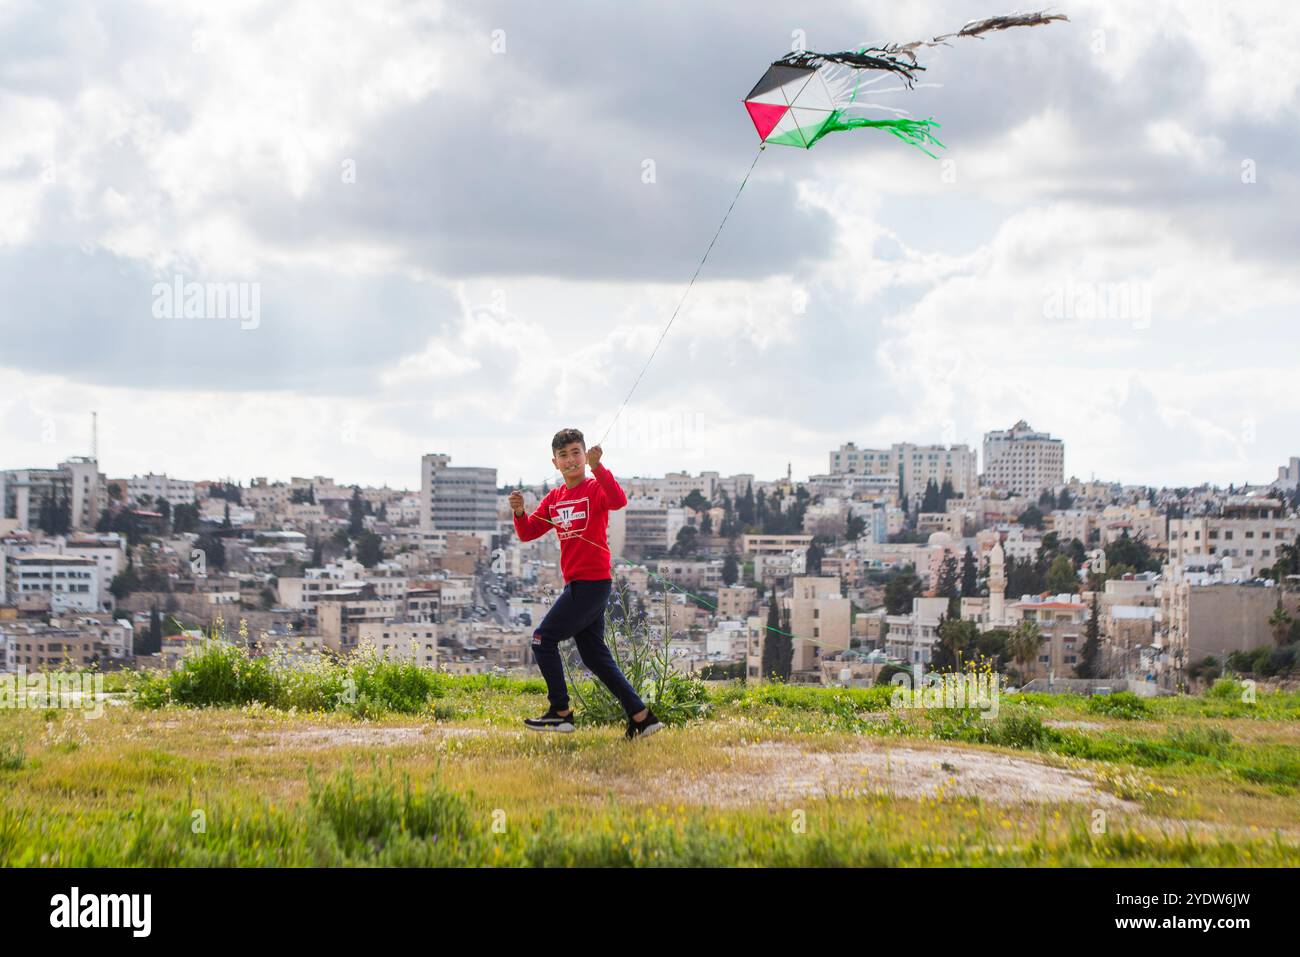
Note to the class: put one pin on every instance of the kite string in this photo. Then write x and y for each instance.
(686, 293)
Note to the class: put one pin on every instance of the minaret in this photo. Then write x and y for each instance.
(997, 585)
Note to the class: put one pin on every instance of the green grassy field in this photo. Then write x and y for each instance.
(439, 771)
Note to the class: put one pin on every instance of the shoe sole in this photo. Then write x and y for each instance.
(562, 728)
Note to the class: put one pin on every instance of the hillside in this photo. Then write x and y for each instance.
(766, 775)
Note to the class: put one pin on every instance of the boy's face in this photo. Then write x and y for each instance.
(571, 460)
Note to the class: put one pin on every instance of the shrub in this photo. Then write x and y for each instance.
(646, 662)
(1226, 689)
(1123, 704)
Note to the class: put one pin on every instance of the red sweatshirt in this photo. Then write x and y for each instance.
(579, 512)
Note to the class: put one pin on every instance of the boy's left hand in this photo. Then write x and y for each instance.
(593, 455)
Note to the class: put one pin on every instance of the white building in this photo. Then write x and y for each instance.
(51, 580)
(913, 465)
(107, 550)
(1022, 460)
(158, 487)
(457, 498)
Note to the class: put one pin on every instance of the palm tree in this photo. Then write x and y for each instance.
(1024, 644)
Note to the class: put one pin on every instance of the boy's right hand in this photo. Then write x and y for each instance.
(517, 502)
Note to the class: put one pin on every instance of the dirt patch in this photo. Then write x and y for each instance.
(777, 772)
(1081, 725)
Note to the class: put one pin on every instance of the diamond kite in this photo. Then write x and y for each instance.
(803, 96)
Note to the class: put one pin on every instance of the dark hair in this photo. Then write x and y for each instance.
(567, 437)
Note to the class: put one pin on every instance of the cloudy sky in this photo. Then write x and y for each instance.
(467, 224)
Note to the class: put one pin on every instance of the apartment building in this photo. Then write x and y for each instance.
(1249, 531)
(339, 617)
(1062, 620)
(1022, 460)
(650, 528)
(160, 487)
(913, 465)
(53, 581)
(415, 642)
(911, 637)
(736, 602)
(457, 498)
(76, 483)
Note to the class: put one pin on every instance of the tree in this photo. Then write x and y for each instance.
(214, 550)
(695, 501)
(1090, 655)
(900, 590)
(969, 574)
(930, 500)
(745, 506)
(730, 569)
(946, 492)
(956, 639)
(994, 644)
(185, 518)
(1280, 622)
(946, 586)
(1047, 500)
(1031, 517)
(684, 547)
(1288, 561)
(1025, 641)
(1061, 576)
(787, 646)
(356, 513)
(1023, 577)
(369, 549)
(124, 582)
(854, 527)
(773, 653)
(153, 643)
(1131, 551)
(1064, 500)
(813, 557)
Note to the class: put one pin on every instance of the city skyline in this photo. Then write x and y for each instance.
(1128, 292)
(507, 480)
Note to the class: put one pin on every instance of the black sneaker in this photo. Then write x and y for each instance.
(551, 721)
(647, 725)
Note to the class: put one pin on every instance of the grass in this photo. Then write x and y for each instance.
(433, 770)
(285, 762)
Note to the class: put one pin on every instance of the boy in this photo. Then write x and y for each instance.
(579, 512)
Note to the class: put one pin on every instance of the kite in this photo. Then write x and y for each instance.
(804, 95)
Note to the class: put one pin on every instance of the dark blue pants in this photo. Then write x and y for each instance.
(579, 613)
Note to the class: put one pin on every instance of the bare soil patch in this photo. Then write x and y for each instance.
(777, 772)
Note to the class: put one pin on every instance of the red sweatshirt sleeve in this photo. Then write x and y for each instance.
(613, 494)
(533, 526)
